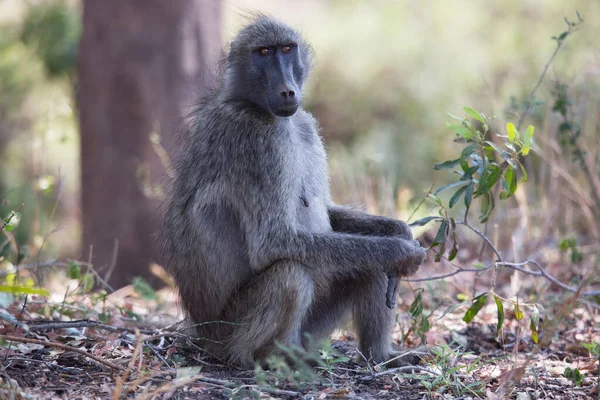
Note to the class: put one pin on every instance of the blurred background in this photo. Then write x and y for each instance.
(93, 95)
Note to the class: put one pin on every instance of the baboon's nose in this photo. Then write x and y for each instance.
(288, 94)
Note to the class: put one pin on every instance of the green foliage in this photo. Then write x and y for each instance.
(73, 270)
(478, 303)
(573, 375)
(569, 245)
(452, 376)
(594, 349)
(294, 365)
(420, 322)
(483, 163)
(52, 29)
(23, 290)
(142, 288)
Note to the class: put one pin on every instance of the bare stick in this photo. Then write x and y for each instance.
(173, 385)
(84, 324)
(63, 347)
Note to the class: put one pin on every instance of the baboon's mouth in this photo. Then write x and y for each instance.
(286, 110)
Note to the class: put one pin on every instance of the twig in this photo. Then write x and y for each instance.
(483, 236)
(543, 273)
(113, 261)
(173, 385)
(539, 82)
(408, 368)
(415, 352)
(120, 381)
(84, 324)
(63, 347)
(420, 203)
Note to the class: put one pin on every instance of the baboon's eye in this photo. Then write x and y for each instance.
(286, 49)
(264, 51)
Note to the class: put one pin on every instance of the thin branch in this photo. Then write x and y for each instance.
(83, 324)
(537, 85)
(483, 236)
(178, 383)
(543, 273)
(420, 203)
(63, 347)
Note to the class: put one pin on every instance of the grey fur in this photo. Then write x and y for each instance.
(251, 234)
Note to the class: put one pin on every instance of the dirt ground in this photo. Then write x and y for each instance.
(42, 364)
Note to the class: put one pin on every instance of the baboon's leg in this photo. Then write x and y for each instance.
(373, 320)
(269, 309)
(327, 312)
(365, 300)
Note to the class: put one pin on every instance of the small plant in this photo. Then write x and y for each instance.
(420, 322)
(294, 366)
(451, 377)
(484, 168)
(569, 245)
(574, 375)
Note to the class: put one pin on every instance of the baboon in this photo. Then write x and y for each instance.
(259, 252)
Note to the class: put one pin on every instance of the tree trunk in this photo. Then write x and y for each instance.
(141, 64)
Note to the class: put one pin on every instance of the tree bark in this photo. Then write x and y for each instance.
(141, 64)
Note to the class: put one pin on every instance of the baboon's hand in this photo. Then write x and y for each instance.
(410, 257)
(418, 258)
(399, 228)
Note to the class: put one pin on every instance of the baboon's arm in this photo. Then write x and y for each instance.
(272, 236)
(346, 219)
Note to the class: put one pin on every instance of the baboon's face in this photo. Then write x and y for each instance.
(278, 74)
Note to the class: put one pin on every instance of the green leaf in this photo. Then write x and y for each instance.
(479, 265)
(446, 164)
(460, 131)
(143, 288)
(454, 250)
(416, 308)
(73, 271)
(475, 114)
(534, 332)
(498, 150)
(527, 140)
(425, 221)
(433, 197)
(453, 116)
(464, 154)
(24, 290)
(455, 184)
(489, 179)
(524, 172)
(534, 322)
(563, 36)
(500, 314)
(518, 313)
(448, 310)
(468, 174)
(87, 282)
(475, 308)
(469, 194)
(510, 183)
(512, 132)
(440, 237)
(487, 206)
(457, 195)
(440, 252)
